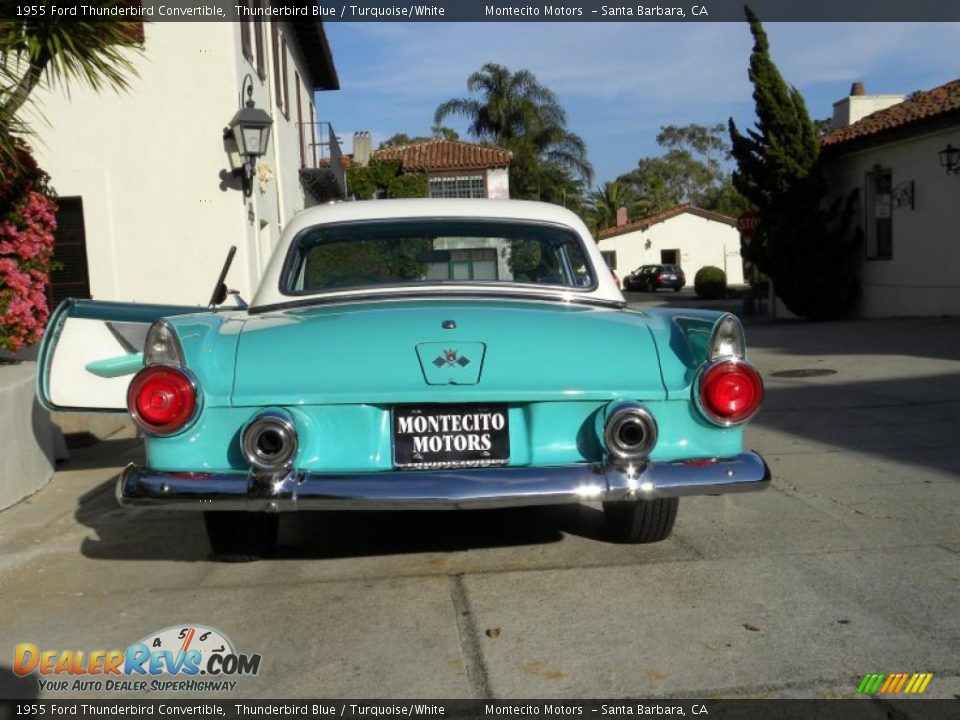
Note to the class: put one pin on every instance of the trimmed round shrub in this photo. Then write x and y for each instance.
(710, 283)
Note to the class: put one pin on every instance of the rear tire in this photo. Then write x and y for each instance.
(641, 521)
(241, 536)
(677, 289)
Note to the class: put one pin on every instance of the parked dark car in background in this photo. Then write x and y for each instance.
(650, 278)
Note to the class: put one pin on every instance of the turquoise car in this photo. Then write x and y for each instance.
(417, 354)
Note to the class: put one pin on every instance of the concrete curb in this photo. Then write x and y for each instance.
(27, 436)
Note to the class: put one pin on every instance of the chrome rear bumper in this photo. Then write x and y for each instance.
(439, 489)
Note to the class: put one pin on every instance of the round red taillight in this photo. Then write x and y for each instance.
(730, 392)
(162, 399)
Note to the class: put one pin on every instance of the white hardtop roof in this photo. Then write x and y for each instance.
(365, 210)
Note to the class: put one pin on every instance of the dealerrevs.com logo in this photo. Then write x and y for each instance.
(182, 658)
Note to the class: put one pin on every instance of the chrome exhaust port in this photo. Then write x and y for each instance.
(629, 431)
(269, 441)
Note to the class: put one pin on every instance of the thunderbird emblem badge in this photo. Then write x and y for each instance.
(449, 358)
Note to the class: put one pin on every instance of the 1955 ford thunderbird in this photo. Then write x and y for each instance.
(422, 354)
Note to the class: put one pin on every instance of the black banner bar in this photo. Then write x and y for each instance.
(487, 10)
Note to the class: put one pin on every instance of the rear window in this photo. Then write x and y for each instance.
(414, 252)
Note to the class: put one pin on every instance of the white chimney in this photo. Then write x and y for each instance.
(859, 105)
(362, 147)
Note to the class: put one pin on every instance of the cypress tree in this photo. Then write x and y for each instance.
(804, 242)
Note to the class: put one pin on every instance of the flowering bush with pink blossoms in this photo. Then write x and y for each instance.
(27, 222)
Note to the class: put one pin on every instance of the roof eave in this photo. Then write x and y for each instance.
(889, 135)
(458, 168)
(316, 51)
(648, 222)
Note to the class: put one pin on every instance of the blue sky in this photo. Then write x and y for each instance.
(620, 82)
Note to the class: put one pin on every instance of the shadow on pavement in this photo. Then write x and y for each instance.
(907, 420)
(180, 536)
(922, 337)
(361, 534)
(104, 454)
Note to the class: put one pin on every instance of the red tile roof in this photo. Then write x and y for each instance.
(437, 155)
(645, 223)
(917, 110)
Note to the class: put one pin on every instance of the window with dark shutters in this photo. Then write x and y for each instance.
(275, 42)
(879, 220)
(71, 278)
(245, 39)
(286, 81)
(258, 42)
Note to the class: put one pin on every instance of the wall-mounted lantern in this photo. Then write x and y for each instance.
(250, 130)
(950, 159)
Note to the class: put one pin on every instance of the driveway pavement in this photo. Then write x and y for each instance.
(849, 564)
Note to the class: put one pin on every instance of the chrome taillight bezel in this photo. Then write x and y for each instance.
(153, 430)
(738, 364)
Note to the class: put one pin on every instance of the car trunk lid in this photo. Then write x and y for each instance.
(388, 352)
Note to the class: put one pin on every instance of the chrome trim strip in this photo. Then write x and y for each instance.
(435, 294)
(439, 489)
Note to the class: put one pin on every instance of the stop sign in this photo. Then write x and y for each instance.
(747, 223)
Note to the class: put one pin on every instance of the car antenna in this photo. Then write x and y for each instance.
(220, 289)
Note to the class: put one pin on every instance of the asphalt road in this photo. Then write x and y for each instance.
(848, 564)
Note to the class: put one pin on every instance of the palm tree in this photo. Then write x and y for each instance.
(515, 111)
(58, 52)
(604, 202)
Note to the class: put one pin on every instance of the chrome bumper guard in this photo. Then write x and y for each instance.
(439, 489)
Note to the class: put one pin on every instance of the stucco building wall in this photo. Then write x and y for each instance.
(160, 204)
(498, 183)
(922, 276)
(700, 242)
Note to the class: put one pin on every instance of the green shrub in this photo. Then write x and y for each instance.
(710, 283)
(364, 183)
(412, 185)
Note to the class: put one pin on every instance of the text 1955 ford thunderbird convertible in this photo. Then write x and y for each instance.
(423, 354)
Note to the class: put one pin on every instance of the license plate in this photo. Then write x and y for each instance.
(450, 435)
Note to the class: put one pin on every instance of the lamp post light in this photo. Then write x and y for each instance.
(950, 159)
(250, 129)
